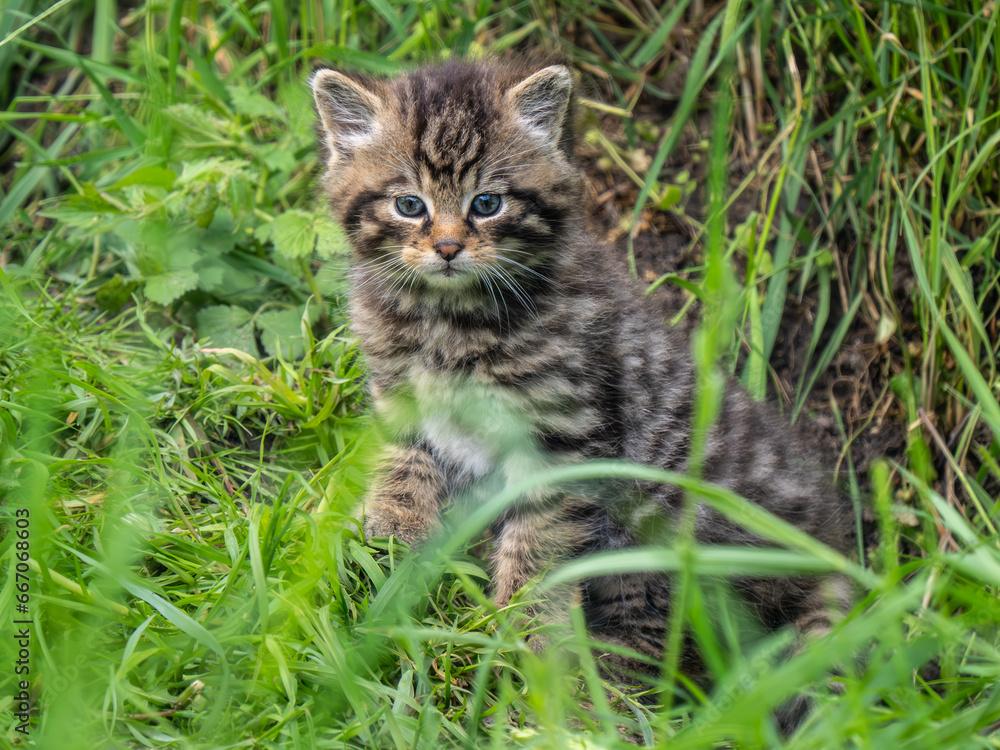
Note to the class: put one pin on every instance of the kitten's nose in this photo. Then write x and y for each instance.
(447, 249)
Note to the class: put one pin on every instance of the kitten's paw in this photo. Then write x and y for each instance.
(503, 592)
(539, 642)
(383, 520)
(790, 715)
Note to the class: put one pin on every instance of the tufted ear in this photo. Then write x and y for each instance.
(348, 110)
(542, 101)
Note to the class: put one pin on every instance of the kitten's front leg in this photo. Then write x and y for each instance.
(518, 553)
(406, 501)
(528, 540)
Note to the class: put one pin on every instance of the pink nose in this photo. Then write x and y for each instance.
(447, 249)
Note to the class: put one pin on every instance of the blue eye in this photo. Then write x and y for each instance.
(486, 204)
(410, 205)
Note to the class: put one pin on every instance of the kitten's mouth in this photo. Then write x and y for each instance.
(451, 271)
(448, 277)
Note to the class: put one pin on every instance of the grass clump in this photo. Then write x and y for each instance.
(182, 410)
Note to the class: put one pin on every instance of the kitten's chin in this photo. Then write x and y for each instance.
(449, 279)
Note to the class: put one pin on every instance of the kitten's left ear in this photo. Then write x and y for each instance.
(542, 101)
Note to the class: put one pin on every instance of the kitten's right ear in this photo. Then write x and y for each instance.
(347, 109)
(542, 101)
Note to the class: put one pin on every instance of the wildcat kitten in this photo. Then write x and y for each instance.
(478, 293)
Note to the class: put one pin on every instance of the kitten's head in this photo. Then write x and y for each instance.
(456, 183)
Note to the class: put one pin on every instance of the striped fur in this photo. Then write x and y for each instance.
(530, 346)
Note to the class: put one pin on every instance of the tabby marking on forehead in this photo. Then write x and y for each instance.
(451, 148)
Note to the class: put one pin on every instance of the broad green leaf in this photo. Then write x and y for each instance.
(113, 294)
(167, 287)
(278, 158)
(204, 201)
(214, 241)
(236, 283)
(293, 233)
(208, 170)
(281, 333)
(226, 326)
(155, 176)
(191, 120)
(211, 275)
(252, 104)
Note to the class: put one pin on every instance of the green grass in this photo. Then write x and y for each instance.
(182, 411)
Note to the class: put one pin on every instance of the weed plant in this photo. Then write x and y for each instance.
(182, 409)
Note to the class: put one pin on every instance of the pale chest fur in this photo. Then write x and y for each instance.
(477, 426)
(471, 424)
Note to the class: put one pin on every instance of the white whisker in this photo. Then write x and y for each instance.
(484, 280)
(512, 284)
(543, 277)
(514, 250)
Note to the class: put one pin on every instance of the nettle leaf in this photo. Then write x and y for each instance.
(211, 274)
(235, 181)
(208, 170)
(149, 176)
(281, 331)
(204, 201)
(252, 104)
(8, 456)
(226, 326)
(218, 239)
(79, 215)
(236, 283)
(279, 158)
(90, 198)
(166, 238)
(168, 260)
(262, 232)
(293, 233)
(149, 264)
(114, 294)
(164, 288)
(191, 120)
(238, 191)
(297, 233)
